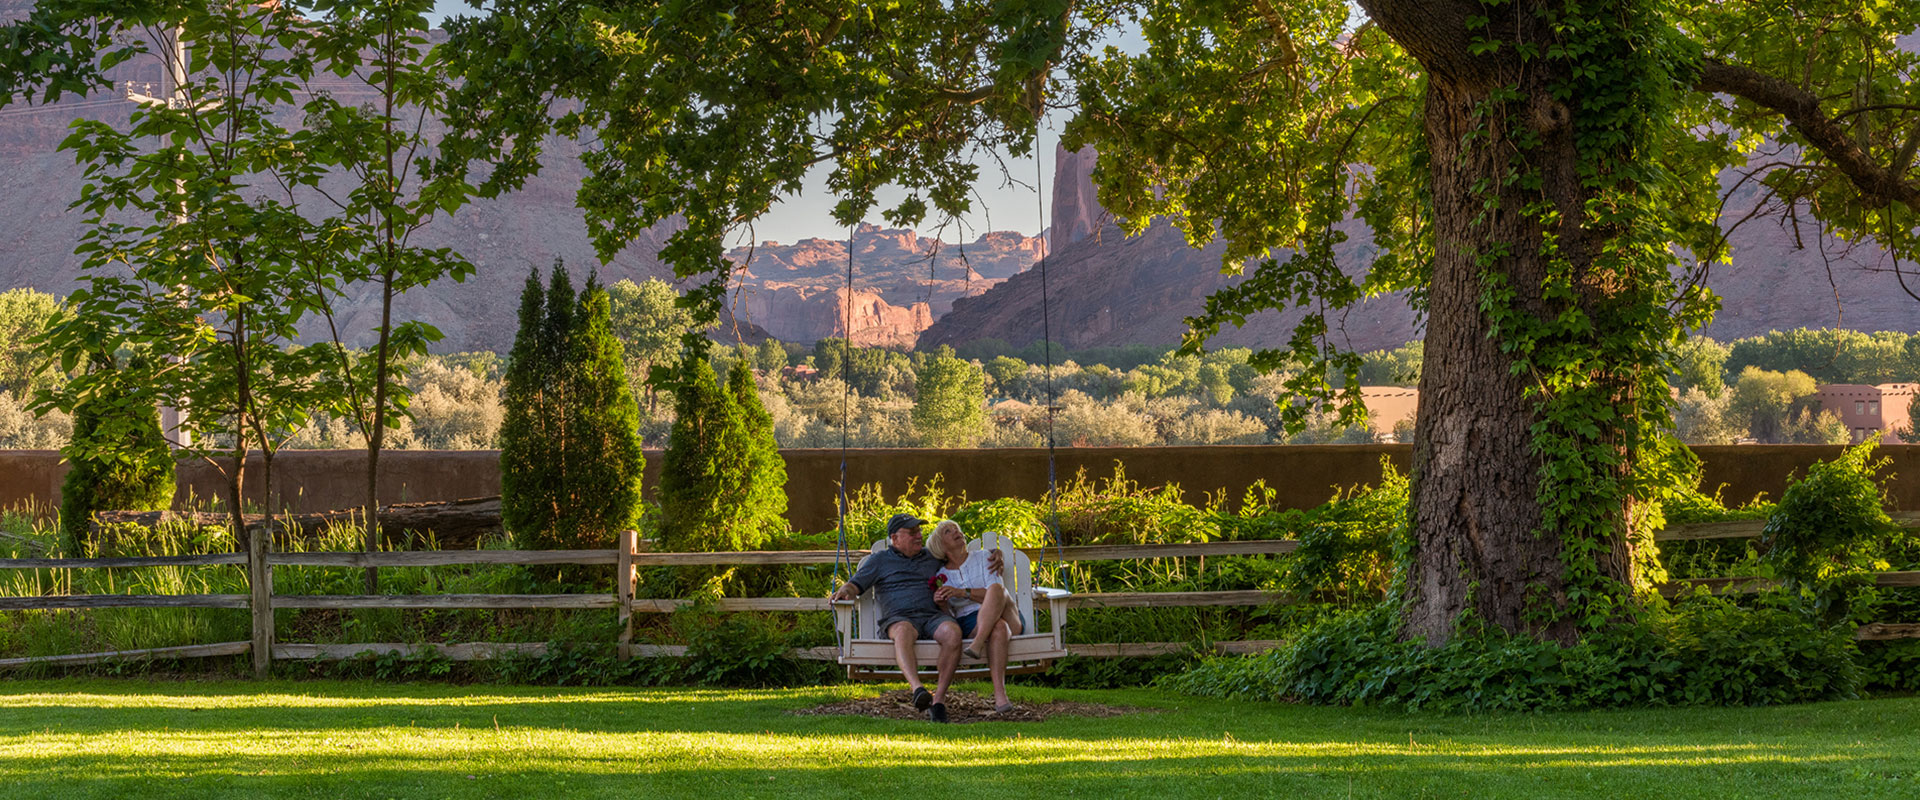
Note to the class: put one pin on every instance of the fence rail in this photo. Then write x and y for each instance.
(626, 557)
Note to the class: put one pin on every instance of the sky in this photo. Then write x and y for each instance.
(1007, 202)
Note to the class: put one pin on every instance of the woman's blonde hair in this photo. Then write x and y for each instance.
(934, 546)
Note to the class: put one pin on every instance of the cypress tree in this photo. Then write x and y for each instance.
(601, 448)
(570, 460)
(526, 500)
(701, 476)
(119, 461)
(764, 512)
(556, 380)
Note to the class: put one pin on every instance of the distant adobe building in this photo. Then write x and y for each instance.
(1870, 412)
(1387, 406)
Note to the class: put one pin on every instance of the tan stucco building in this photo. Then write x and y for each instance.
(1387, 406)
(1870, 412)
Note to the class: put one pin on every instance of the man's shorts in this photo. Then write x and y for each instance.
(923, 624)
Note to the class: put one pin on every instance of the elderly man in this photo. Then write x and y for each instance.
(901, 577)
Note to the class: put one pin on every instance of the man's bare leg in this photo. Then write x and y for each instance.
(903, 636)
(948, 635)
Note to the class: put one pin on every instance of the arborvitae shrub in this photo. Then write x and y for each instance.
(602, 441)
(702, 477)
(570, 454)
(119, 462)
(763, 513)
(526, 496)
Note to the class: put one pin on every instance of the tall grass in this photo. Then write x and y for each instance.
(64, 631)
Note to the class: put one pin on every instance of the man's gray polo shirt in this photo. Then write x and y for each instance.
(900, 585)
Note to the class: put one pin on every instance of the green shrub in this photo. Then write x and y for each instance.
(1833, 523)
(740, 650)
(1891, 666)
(1706, 651)
(119, 461)
(1023, 521)
(1346, 552)
(704, 468)
(601, 448)
(763, 510)
(570, 459)
(1709, 558)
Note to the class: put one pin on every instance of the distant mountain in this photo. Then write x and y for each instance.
(1108, 289)
(901, 282)
(504, 238)
(794, 292)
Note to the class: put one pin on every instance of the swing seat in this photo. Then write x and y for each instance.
(868, 654)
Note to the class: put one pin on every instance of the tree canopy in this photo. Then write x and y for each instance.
(1542, 178)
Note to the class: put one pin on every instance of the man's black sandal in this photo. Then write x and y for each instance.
(938, 713)
(922, 698)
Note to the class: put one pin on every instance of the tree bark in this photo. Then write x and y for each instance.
(1480, 554)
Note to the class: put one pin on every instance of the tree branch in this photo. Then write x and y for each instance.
(1878, 185)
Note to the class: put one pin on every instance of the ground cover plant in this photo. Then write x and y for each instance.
(118, 738)
(1822, 541)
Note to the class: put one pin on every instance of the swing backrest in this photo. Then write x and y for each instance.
(1016, 573)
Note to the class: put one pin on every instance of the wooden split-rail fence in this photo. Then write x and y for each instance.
(626, 557)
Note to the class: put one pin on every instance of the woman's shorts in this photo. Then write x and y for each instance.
(971, 622)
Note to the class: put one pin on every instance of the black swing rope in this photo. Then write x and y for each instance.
(1053, 403)
(1046, 336)
(846, 420)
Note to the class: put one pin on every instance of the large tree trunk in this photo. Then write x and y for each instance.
(1480, 551)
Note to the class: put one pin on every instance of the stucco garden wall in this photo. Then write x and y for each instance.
(1303, 475)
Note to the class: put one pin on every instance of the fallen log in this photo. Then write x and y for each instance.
(451, 525)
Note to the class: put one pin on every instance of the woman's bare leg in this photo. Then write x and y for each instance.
(999, 606)
(998, 643)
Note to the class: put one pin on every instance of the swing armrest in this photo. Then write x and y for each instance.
(1056, 610)
(843, 619)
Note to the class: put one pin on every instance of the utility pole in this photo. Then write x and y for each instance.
(174, 97)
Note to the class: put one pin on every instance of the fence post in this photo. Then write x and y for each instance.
(623, 588)
(260, 581)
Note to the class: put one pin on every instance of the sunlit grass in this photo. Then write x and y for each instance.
(96, 738)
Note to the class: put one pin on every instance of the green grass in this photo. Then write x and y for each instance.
(111, 739)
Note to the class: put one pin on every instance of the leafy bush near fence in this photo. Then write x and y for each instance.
(1707, 651)
(1833, 524)
(1829, 531)
(1341, 643)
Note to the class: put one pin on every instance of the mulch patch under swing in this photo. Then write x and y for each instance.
(963, 707)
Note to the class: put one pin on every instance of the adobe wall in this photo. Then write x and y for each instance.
(1303, 475)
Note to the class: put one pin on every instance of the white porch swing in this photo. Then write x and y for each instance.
(868, 654)
(865, 651)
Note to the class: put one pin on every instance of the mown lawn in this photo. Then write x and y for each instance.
(124, 738)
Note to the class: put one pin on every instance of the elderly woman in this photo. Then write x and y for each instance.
(973, 594)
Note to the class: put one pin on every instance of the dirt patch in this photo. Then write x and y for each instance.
(964, 707)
